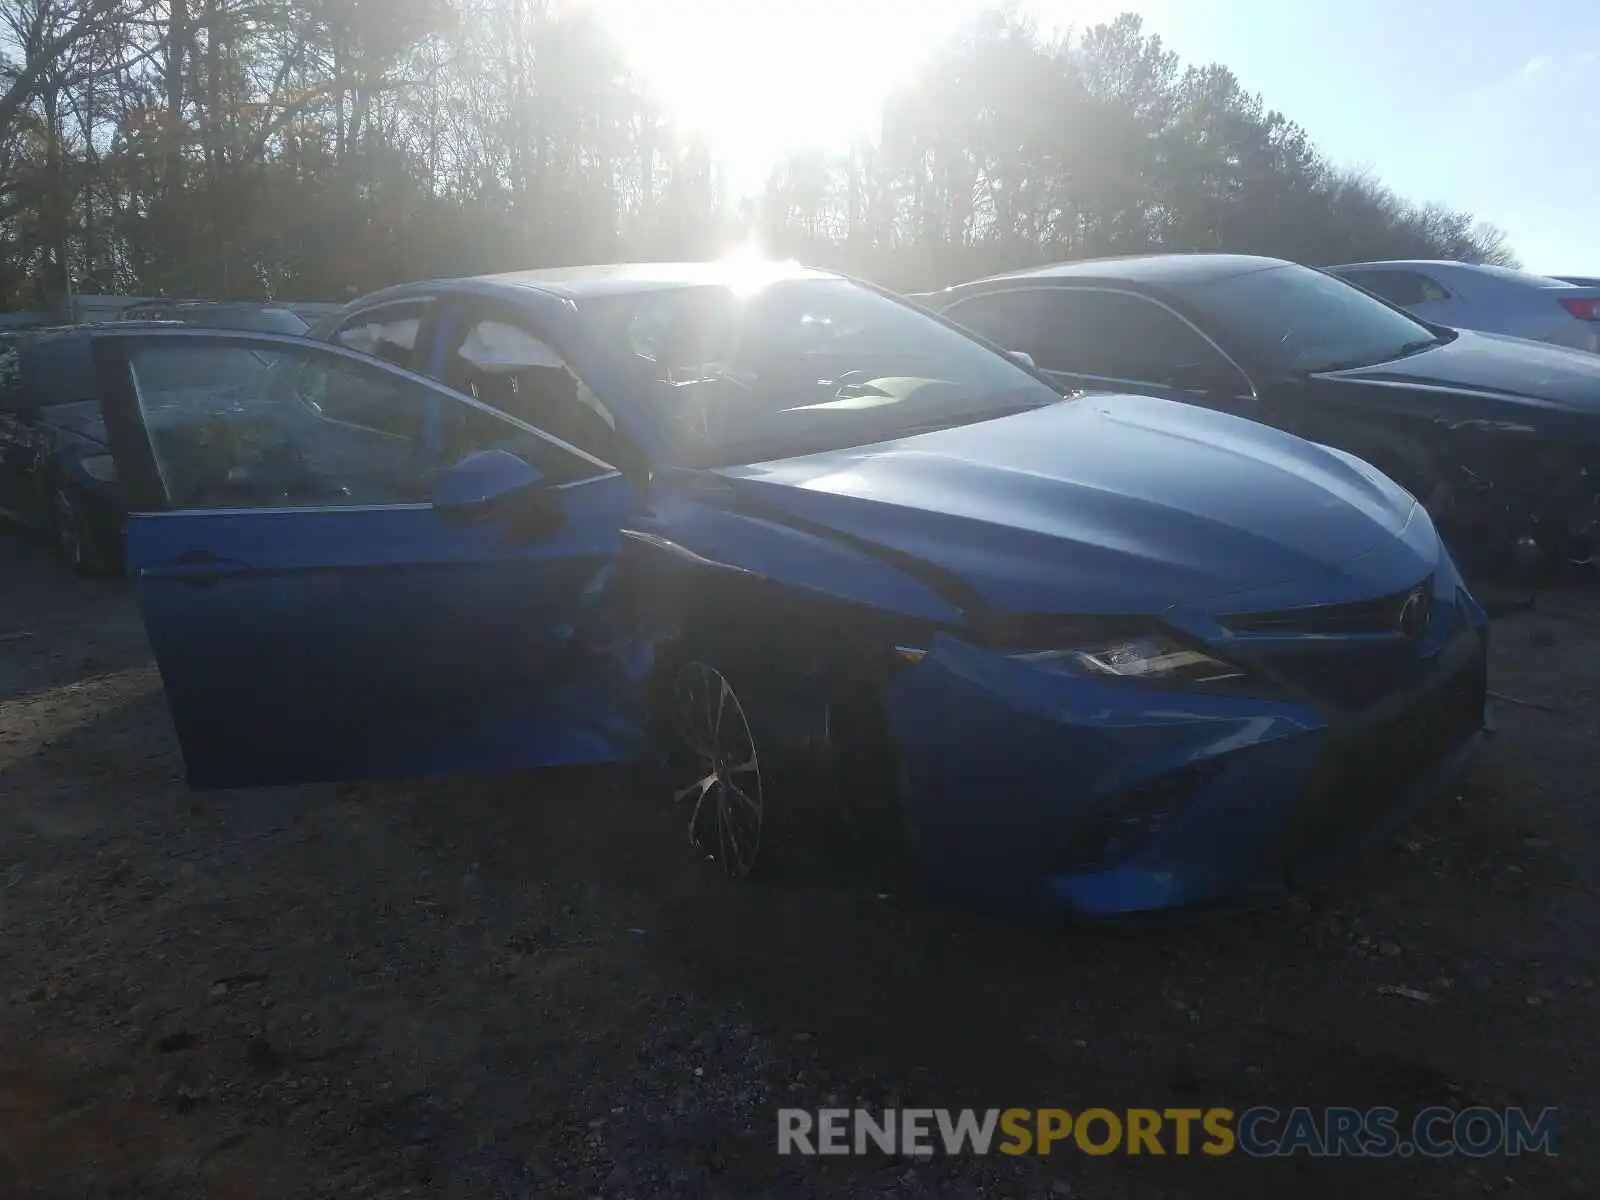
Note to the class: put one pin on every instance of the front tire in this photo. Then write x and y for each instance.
(77, 542)
(779, 808)
(67, 528)
(870, 787)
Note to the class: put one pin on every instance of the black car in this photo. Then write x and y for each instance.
(57, 475)
(219, 314)
(1500, 437)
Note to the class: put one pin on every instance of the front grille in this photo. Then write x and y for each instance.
(1367, 776)
(1349, 677)
(1349, 656)
(1381, 615)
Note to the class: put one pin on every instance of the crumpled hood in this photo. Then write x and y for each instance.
(1531, 375)
(1113, 503)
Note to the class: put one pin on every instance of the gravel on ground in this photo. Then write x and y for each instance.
(523, 987)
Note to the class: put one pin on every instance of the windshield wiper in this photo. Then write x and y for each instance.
(1352, 364)
(1418, 346)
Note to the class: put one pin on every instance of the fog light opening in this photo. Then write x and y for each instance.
(1136, 819)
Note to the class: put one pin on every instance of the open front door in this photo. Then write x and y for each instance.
(331, 596)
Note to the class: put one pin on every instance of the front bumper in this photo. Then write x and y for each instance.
(1096, 799)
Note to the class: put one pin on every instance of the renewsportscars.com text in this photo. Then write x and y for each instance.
(1258, 1132)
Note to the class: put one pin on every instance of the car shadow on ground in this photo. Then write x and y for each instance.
(1350, 996)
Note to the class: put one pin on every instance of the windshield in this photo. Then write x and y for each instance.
(258, 320)
(799, 367)
(1298, 320)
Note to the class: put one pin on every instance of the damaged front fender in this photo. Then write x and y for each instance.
(1522, 492)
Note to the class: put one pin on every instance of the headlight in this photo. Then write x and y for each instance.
(1153, 657)
(99, 467)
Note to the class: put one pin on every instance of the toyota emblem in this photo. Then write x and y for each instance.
(1414, 613)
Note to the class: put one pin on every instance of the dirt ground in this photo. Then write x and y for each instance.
(523, 987)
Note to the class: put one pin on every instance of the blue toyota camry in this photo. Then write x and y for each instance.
(1101, 654)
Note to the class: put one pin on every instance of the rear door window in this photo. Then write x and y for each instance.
(502, 361)
(57, 369)
(1008, 319)
(1405, 288)
(391, 332)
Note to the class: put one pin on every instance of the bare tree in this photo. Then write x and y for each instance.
(310, 148)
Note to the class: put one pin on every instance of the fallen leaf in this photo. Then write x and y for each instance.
(1404, 992)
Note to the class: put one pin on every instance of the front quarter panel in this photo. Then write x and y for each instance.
(697, 519)
(797, 615)
(1397, 429)
(1491, 469)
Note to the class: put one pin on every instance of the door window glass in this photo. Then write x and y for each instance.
(365, 400)
(270, 427)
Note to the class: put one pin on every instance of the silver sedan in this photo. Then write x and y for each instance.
(1488, 299)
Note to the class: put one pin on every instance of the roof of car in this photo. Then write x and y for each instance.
(83, 329)
(578, 282)
(162, 302)
(1159, 269)
(1404, 262)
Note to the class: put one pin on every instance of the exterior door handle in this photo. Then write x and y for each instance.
(202, 568)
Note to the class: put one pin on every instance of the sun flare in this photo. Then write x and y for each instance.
(749, 270)
(762, 78)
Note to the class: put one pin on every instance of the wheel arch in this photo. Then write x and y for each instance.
(795, 651)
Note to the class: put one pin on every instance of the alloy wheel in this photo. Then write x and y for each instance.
(727, 798)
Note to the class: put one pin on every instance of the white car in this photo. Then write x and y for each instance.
(1488, 299)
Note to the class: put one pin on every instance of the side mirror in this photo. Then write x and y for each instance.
(1023, 357)
(484, 483)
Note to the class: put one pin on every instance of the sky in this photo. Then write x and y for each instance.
(1487, 105)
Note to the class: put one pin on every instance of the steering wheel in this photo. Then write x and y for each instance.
(856, 383)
